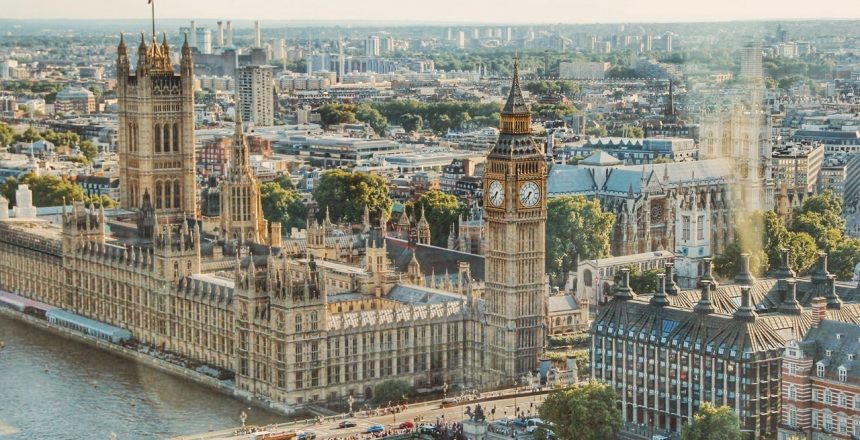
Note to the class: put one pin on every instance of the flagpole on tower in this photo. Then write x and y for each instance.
(152, 3)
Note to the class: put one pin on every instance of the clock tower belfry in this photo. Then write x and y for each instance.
(515, 209)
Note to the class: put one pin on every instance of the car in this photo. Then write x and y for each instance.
(520, 423)
(428, 429)
(346, 424)
(373, 429)
(407, 424)
(307, 435)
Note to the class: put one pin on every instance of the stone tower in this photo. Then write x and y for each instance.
(241, 210)
(516, 211)
(156, 130)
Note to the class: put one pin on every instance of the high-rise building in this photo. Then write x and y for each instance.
(461, 39)
(372, 46)
(516, 209)
(751, 61)
(220, 33)
(193, 34)
(667, 41)
(257, 34)
(156, 130)
(229, 34)
(387, 45)
(256, 96)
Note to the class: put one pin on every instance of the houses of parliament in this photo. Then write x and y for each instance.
(294, 320)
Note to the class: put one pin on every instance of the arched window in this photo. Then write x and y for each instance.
(158, 195)
(167, 191)
(586, 277)
(176, 194)
(165, 130)
(557, 321)
(157, 131)
(176, 137)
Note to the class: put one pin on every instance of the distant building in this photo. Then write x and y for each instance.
(583, 70)
(797, 165)
(75, 100)
(256, 95)
(634, 151)
(751, 61)
(566, 314)
(372, 46)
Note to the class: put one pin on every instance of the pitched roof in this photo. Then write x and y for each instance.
(601, 158)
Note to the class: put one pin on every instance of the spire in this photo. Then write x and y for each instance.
(121, 49)
(704, 306)
(515, 103)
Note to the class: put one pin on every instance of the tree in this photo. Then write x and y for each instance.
(367, 114)
(101, 200)
(47, 190)
(820, 216)
(576, 228)
(642, 282)
(629, 131)
(65, 138)
(6, 134)
(282, 205)
(29, 135)
(441, 210)
(727, 264)
(584, 412)
(336, 113)
(346, 194)
(596, 131)
(843, 258)
(713, 423)
(89, 150)
(393, 391)
(411, 122)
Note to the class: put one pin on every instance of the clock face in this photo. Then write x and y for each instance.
(529, 194)
(496, 193)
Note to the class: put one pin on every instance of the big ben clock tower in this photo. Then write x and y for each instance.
(516, 208)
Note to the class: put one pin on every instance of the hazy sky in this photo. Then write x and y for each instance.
(552, 11)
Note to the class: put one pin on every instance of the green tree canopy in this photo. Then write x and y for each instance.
(576, 228)
(47, 190)
(337, 113)
(282, 205)
(583, 412)
(596, 131)
(843, 258)
(394, 391)
(820, 216)
(64, 138)
(713, 423)
(6, 134)
(642, 282)
(346, 194)
(29, 135)
(411, 122)
(629, 131)
(367, 114)
(441, 210)
(89, 150)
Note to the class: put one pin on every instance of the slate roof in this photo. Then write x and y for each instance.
(601, 158)
(841, 339)
(562, 303)
(432, 257)
(410, 294)
(569, 179)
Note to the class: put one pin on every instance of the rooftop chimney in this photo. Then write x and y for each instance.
(622, 290)
(659, 299)
(744, 277)
(704, 306)
(833, 301)
(671, 285)
(791, 306)
(819, 311)
(707, 273)
(745, 312)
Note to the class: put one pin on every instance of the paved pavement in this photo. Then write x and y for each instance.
(430, 412)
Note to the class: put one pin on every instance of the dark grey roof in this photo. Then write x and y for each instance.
(432, 259)
(841, 339)
(410, 294)
(515, 103)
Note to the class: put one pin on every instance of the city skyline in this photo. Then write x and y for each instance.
(479, 11)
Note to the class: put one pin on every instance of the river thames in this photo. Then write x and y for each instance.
(56, 388)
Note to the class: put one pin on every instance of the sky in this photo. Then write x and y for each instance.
(441, 11)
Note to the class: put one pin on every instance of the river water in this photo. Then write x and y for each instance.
(56, 388)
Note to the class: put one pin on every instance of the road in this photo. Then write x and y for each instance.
(428, 412)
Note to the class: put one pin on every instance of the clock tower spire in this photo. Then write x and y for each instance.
(516, 209)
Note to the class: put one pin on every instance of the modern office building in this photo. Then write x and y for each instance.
(751, 67)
